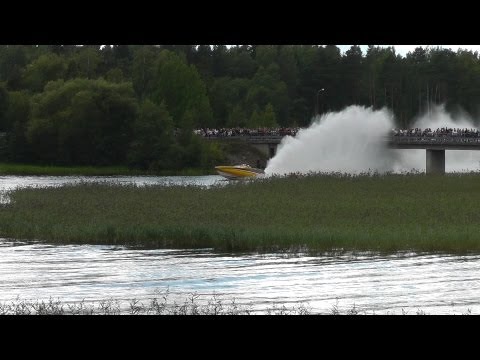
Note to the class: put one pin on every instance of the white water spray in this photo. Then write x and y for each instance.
(350, 141)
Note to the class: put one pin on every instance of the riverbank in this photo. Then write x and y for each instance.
(317, 213)
(233, 152)
(192, 304)
(28, 169)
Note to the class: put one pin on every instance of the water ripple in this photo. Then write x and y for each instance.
(394, 283)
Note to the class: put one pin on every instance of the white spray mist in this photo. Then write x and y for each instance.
(349, 141)
(455, 160)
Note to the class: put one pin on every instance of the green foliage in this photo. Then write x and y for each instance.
(114, 75)
(152, 138)
(46, 68)
(267, 87)
(82, 122)
(17, 117)
(241, 64)
(4, 123)
(13, 59)
(237, 117)
(228, 96)
(180, 86)
(211, 155)
(266, 118)
(255, 120)
(266, 55)
(87, 61)
(269, 118)
(144, 68)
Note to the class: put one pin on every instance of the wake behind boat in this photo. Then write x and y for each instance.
(237, 172)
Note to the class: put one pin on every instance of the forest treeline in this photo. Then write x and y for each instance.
(137, 105)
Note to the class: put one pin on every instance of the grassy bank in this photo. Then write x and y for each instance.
(320, 213)
(26, 169)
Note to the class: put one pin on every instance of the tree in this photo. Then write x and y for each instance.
(144, 68)
(180, 86)
(255, 120)
(220, 61)
(46, 68)
(267, 87)
(288, 69)
(224, 94)
(269, 118)
(122, 58)
(13, 60)
(152, 138)
(237, 117)
(265, 118)
(266, 55)
(4, 123)
(203, 60)
(17, 116)
(240, 62)
(352, 70)
(87, 60)
(114, 75)
(82, 122)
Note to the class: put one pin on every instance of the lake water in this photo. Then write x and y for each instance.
(8, 183)
(408, 282)
(11, 182)
(434, 284)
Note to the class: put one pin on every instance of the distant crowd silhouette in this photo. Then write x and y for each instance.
(439, 132)
(292, 131)
(238, 132)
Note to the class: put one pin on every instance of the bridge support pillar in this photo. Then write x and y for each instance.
(435, 161)
(272, 150)
(268, 149)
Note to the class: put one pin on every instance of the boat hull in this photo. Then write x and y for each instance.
(236, 172)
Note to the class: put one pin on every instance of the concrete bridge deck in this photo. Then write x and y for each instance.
(435, 147)
(434, 142)
(255, 139)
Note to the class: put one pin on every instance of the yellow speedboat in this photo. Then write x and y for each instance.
(239, 172)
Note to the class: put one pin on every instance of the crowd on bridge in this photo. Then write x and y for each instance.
(239, 132)
(439, 132)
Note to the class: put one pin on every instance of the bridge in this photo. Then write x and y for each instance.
(435, 147)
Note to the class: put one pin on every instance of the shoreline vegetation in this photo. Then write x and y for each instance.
(54, 170)
(192, 304)
(314, 213)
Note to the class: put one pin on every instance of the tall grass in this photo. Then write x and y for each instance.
(191, 304)
(328, 212)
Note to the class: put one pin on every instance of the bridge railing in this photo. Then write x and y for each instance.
(265, 139)
(432, 140)
(249, 138)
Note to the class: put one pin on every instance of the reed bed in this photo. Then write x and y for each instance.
(315, 212)
(192, 304)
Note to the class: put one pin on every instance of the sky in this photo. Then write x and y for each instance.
(404, 49)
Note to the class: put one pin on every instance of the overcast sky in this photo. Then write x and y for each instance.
(404, 49)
